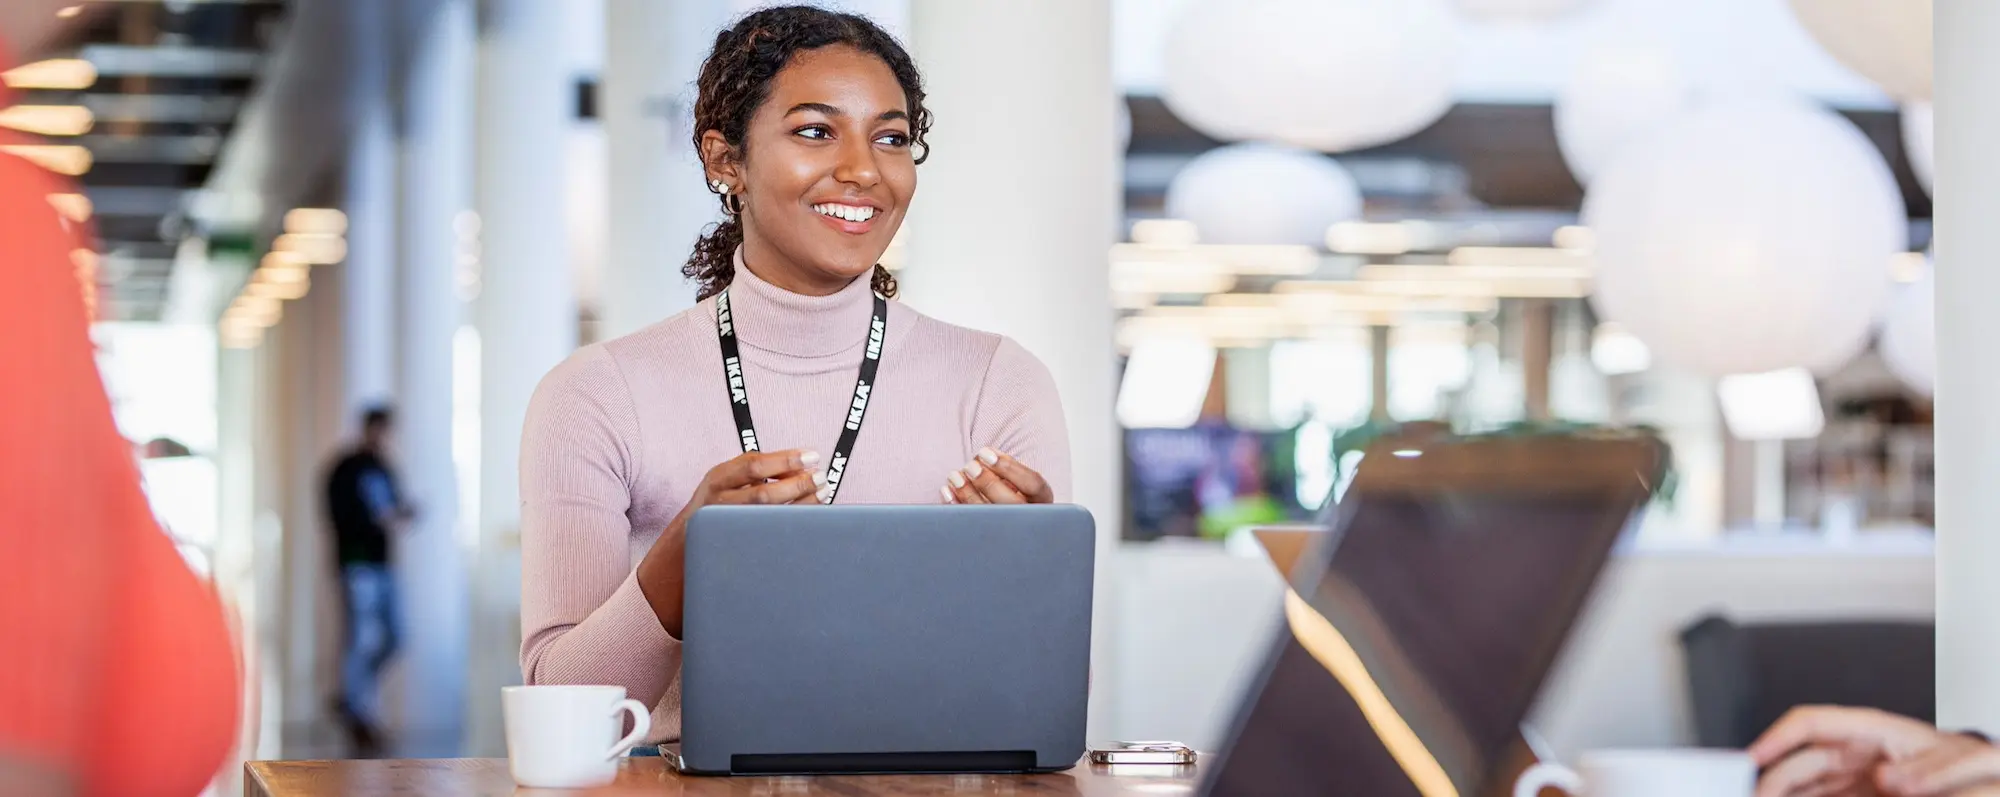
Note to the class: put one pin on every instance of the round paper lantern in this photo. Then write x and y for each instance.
(1617, 95)
(1909, 335)
(1517, 10)
(1887, 41)
(1263, 194)
(1331, 75)
(1747, 238)
(1918, 142)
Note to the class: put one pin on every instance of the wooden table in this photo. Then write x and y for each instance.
(487, 777)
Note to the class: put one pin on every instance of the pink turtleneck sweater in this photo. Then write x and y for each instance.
(619, 435)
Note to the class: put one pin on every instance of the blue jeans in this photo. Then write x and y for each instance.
(370, 600)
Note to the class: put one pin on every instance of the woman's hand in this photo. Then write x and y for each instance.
(996, 478)
(757, 477)
(1828, 750)
(1958, 766)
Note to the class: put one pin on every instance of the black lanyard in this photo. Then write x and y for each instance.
(739, 398)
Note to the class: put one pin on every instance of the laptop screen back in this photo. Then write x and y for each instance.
(1450, 577)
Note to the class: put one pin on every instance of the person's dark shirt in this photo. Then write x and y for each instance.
(361, 494)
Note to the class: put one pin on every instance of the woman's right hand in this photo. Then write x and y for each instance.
(756, 477)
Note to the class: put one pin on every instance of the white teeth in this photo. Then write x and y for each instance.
(847, 212)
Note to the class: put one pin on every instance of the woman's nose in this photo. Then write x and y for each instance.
(857, 163)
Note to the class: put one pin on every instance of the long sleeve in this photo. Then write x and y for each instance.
(113, 642)
(1021, 414)
(583, 618)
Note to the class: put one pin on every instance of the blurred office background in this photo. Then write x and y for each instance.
(1247, 237)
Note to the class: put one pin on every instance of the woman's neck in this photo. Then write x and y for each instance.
(780, 271)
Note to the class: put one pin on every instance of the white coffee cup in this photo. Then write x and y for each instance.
(1646, 773)
(566, 737)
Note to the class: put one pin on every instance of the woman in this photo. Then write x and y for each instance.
(810, 125)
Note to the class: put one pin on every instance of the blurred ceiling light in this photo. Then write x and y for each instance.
(1554, 282)
(316, 221)
(316, 248)
(1908, 267)
(1515, 256)
(64, 159)
(1165, 384)
(75, 207)
(56, 74)
(1165, 232)
(1322, 303)
(1232, 259)
(1616, 351)
(1777, 405)
(286, 285)
(259, 310)
(280, 260)
(1575, 238)
(47, 120)
(1370, 238)
(1133, 300)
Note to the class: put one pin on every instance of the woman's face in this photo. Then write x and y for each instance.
(827, 169)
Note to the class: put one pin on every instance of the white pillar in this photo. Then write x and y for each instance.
(1968, 380)
(658, 205)
(436, 190)
(368, 275)
(527, 313)
(1011, 232)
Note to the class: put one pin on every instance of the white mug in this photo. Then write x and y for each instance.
(566, 737)
(1646, 773)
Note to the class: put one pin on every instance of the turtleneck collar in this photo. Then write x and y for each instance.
(777, 320)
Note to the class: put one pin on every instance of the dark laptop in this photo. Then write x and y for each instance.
(1451, 575)
(882, 639)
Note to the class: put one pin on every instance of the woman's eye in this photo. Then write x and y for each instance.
(815, 133)
(894, 139)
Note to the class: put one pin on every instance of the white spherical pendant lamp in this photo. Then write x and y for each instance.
(1330, 75)
(1263, 194)
(1747, 238)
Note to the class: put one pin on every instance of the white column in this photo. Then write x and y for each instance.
(1011, 231)
(1968, 381)
(527, 312)
(436, 190)
(368, 275)
(658, 205)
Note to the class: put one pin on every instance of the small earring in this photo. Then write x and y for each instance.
(720, 187)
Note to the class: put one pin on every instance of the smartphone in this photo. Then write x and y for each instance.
(1144, 753)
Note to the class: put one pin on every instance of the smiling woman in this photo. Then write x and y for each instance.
(811, 125)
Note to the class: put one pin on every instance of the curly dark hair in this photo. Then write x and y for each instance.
(736, 79)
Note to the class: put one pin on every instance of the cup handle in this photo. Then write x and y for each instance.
(642, 723)
(1545, 775)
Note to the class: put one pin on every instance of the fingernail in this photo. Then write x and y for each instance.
(989, 456)
(946, 495)
(819, 478)
(824, 494)
(809, 458)
(973, 470)
(957, 479)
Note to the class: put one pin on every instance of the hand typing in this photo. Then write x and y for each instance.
(996, 478)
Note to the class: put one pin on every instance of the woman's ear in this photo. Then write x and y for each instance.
(719, 161)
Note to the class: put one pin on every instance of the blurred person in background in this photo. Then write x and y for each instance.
(366, 507)
(120, 678)
(1835, 751)
(810, 125)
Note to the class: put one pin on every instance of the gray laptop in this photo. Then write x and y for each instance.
(839, 639)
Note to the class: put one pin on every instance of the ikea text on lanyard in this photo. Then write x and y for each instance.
(739, 398)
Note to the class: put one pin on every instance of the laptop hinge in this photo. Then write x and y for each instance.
(880, 763)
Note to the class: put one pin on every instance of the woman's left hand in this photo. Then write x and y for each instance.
(996, 478)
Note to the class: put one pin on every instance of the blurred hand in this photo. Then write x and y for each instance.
(1958, 766)
(757, 477)
(996, 478)
(1831, 751)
